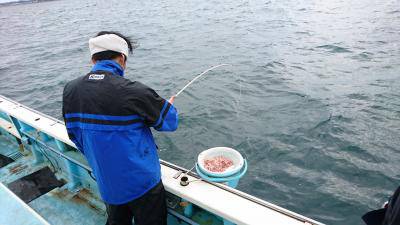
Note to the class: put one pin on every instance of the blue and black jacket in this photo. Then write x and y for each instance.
(108, 118)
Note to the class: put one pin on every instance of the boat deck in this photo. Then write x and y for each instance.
(59, 206)
(17, 211)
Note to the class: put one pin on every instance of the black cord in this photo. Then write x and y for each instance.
(47, 157)
(91, 175)
(58, 166)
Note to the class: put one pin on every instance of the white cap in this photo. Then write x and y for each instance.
(107, 42)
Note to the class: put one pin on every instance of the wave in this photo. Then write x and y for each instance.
(334, 48)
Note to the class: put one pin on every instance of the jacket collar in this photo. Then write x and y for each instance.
(109, 66)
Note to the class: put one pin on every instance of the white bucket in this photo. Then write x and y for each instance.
(229, 153)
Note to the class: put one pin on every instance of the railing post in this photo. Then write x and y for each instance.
(73, 170)
(39, 158)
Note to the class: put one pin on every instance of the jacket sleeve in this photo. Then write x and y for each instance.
(72, 136)
(392, 215)
(72, 133)
(156, 111)
(168, 119)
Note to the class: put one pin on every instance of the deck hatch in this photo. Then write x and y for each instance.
(4, 160)
(35, 185)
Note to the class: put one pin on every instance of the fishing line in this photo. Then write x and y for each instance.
(198, 76)
(238, 100)
(187, 172)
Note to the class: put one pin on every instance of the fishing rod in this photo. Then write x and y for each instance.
(198, 76)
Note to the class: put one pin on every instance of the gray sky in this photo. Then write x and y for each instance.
(4, 1)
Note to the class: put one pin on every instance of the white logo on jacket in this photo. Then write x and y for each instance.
(96, 76)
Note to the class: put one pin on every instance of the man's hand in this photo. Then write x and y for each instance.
(172, 99)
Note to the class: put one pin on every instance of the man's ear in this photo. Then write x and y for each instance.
(93, 61)
(122, 61)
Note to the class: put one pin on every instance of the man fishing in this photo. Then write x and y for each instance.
(108, 117)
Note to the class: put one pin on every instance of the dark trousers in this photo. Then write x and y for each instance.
(149, 209)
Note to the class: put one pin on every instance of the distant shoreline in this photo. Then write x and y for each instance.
(23, 2)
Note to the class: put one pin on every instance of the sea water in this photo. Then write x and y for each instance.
(312, 98)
